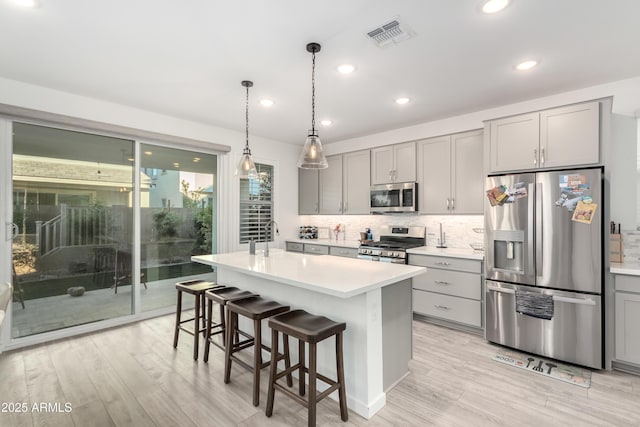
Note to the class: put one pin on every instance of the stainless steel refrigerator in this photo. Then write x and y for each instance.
(543, 264)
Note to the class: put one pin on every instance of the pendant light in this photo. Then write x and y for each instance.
(246, 167)
(312, 156)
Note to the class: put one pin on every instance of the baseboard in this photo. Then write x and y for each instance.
(629, 368)
(447, 324)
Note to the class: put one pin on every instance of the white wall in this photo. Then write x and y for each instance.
(626, 101)
(283, 155)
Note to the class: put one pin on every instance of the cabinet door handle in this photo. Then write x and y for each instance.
(453, 203)
(443, 263)
(535, 156)
(316, 208)
(440, 282)
(448, 204)
(340, 206)
(346, 206)
(542, 156)
(441, 307)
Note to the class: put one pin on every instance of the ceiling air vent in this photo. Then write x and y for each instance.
(391, 32)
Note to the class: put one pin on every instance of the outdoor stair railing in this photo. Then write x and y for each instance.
(74, 226)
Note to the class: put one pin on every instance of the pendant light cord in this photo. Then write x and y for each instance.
(313, 92)
(247, 118)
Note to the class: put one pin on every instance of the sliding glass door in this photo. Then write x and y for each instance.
(177, 220)
(98, 233)
(73, 213)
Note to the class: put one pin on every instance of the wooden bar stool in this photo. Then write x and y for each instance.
(310, 329)
(255, 308)
(220, 296)
(196, 288)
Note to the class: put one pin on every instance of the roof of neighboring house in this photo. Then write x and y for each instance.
(45, 169)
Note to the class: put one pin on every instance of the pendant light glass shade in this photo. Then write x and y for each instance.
(246, 167)
(312, 156)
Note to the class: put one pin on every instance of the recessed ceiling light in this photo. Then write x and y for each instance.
(526, 65)
(196, 159)
(266, 102)
(402, 101)
(326, 122)
(346, 68)
(148, 153)
(26, 3)
(493, 6)
(176, 164)
(131, 159)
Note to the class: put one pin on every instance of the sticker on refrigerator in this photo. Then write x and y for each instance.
(568, 202)
(501, 194)
(584, 212)
(573, 184)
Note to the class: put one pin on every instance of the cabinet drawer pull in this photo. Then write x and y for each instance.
(443, 263)
(440, 282)
(441, 307)
(535, 156)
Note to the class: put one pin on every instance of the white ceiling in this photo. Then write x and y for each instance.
(187, 58)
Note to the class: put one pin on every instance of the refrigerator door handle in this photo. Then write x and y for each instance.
(539, 230)
(581, 301)
(530, 228)
(498, 289)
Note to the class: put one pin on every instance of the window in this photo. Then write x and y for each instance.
(256, 206)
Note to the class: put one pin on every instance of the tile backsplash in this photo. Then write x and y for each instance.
(460, 230)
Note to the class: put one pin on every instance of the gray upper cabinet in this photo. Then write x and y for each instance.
(330, 185)
(570, 135)
(434, 175)
(515, 142)
(355, 177)
(450, 174)
(467, 174)
(559, 137)
(342, 188)
(308, 182)
(393, 163)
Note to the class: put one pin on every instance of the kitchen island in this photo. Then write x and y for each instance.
(373, 298)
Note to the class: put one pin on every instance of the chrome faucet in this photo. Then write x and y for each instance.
(266, 240)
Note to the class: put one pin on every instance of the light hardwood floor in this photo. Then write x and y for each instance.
(132, 376)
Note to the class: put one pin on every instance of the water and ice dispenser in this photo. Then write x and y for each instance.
(509, 251)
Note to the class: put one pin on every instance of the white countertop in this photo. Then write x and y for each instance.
(328, 242)
(337, 276)
(448, 252)
(628, 268)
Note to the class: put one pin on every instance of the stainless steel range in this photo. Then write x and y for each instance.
(393, 243)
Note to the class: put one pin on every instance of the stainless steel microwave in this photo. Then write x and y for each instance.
(396, 197)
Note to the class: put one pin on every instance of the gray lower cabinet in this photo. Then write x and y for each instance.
(627, 319)
(316, 249)
(450, 291)
(295, 247)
